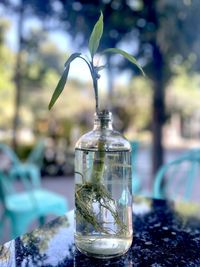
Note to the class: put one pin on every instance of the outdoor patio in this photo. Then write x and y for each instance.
(65, 185)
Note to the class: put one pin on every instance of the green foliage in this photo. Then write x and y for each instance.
(183, 93)
(93, 46)
(39, 56)
(60, 86)
(71, 58)
(42, 63)
(133, 105)
(96, 36)
(7, 59)
(125, 55)
(62, 81)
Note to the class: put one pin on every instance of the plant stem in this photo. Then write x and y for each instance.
(98, 164)
(94, 80)
(95, 85)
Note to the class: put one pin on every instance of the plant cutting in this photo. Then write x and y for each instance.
(102, 170)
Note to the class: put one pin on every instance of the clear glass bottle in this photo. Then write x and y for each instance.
(103, 198)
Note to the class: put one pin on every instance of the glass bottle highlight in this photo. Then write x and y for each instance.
(103, 199)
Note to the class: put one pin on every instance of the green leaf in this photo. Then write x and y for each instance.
(125, 55)
(61, 84)
(71, 58)
(59, 88)
(95, 36)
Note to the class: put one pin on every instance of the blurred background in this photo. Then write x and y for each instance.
(159, 112)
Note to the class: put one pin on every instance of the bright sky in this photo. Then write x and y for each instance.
(64, 43)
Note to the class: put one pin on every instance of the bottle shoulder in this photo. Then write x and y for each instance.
(112, 141)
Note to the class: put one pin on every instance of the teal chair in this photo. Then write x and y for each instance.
(20, 169)
(136, 182)
(37, 154)
(176, 179)
(21, 208)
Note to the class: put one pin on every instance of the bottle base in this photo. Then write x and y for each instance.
(102, 247)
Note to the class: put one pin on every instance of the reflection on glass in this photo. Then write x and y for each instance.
(188, 209)
(141, 206)
(7, 254)
(36, 247)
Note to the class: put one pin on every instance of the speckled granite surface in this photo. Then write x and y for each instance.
(165, 234)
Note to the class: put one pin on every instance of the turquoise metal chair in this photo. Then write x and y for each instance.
(20, 169)
(136, 182)
(37, 154)
(176, 179)
(32, 203)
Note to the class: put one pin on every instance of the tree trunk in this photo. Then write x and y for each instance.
(158, 110)
(18, 76)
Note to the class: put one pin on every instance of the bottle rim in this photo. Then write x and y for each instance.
(103, 115)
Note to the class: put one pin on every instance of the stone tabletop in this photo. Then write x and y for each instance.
(165, 234)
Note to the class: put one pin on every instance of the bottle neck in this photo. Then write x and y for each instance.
(103, 120)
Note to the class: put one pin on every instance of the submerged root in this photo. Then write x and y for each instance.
(89, 193)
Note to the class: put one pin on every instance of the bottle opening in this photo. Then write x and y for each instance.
(103, 115)
(103, 119)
